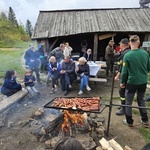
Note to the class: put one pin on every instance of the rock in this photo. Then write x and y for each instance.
(43, 138)
(99, 124)
(48, 143)
(22, 123)
(10, 124)
(100, 131)
(40, 147)
(2, 123)
(93, 115)
(54, 141)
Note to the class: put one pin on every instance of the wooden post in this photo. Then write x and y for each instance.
(95, 49)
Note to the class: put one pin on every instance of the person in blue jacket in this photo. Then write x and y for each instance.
(29, 80)
(88, 55)
(83, 71)
(32, 61)
(42, 56)
(54, 68)
(10, 85)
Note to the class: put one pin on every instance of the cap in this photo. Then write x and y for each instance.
(31, 45)
(124, 41)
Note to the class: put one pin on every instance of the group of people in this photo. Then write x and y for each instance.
(59, 65)
(133, 74)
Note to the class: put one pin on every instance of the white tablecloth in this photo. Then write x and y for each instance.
(94, 68)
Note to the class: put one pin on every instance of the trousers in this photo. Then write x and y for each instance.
(130, 92)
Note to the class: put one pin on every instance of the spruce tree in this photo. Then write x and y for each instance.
(29, 28)
(12, 17)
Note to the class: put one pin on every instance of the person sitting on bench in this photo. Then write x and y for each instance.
(10, 86)
(83, 70)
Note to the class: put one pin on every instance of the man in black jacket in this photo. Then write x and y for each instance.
(124, 46)
(68, 74)
(58, 53)
(109, 56)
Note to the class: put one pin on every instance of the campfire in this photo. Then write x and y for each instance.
(81, 121)
(72, 118)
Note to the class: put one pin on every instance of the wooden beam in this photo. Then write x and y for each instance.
(105, 36)
(52, 45)
(95, 49)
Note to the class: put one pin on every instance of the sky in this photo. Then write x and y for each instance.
(29, 9)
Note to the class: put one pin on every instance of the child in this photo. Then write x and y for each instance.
(29, 80)
(53, 72)
(83, 70)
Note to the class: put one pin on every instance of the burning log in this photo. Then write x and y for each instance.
(72, 118)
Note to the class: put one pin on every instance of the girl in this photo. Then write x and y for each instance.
(83, 70)
(10, 86)
(29, 80)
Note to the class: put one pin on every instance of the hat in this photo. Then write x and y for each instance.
(124, 41)
(31, 45)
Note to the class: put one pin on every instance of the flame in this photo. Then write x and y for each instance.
(74, 118)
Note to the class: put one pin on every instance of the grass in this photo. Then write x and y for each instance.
(11, 59)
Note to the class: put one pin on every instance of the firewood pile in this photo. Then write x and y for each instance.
(111, 145)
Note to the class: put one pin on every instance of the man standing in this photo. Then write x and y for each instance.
(109, 56)
(32, 61)
(134, 75)
(58, 53)
(68, 74)
(124, 46)
(42, 55)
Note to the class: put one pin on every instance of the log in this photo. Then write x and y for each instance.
(115, 145)
(105, 144)
(127, 147)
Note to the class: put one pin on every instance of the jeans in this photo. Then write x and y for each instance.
(55, 78)
(83, 81)
(66, 80)
(32, 90)
(130, 92)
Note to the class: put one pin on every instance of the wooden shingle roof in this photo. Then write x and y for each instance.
(70, 22)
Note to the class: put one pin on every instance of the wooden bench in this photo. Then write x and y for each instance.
(9, 101)
(95, 79)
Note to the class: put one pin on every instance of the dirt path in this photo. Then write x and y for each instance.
(16, 137)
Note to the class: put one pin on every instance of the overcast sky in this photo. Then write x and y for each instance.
(29, 9)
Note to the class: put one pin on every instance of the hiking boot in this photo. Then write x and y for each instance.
(121, 111)
(88, 88)
(80, 92)
(145, 124)
(125, 122)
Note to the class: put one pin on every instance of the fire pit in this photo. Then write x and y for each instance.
(77, 117)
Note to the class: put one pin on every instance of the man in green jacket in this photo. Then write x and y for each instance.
(134, 75)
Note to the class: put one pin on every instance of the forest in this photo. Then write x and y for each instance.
(11, 31)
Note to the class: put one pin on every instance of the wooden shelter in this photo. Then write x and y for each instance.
(96, 26)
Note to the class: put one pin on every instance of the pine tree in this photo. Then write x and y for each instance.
(29, 28)
(12, 17)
